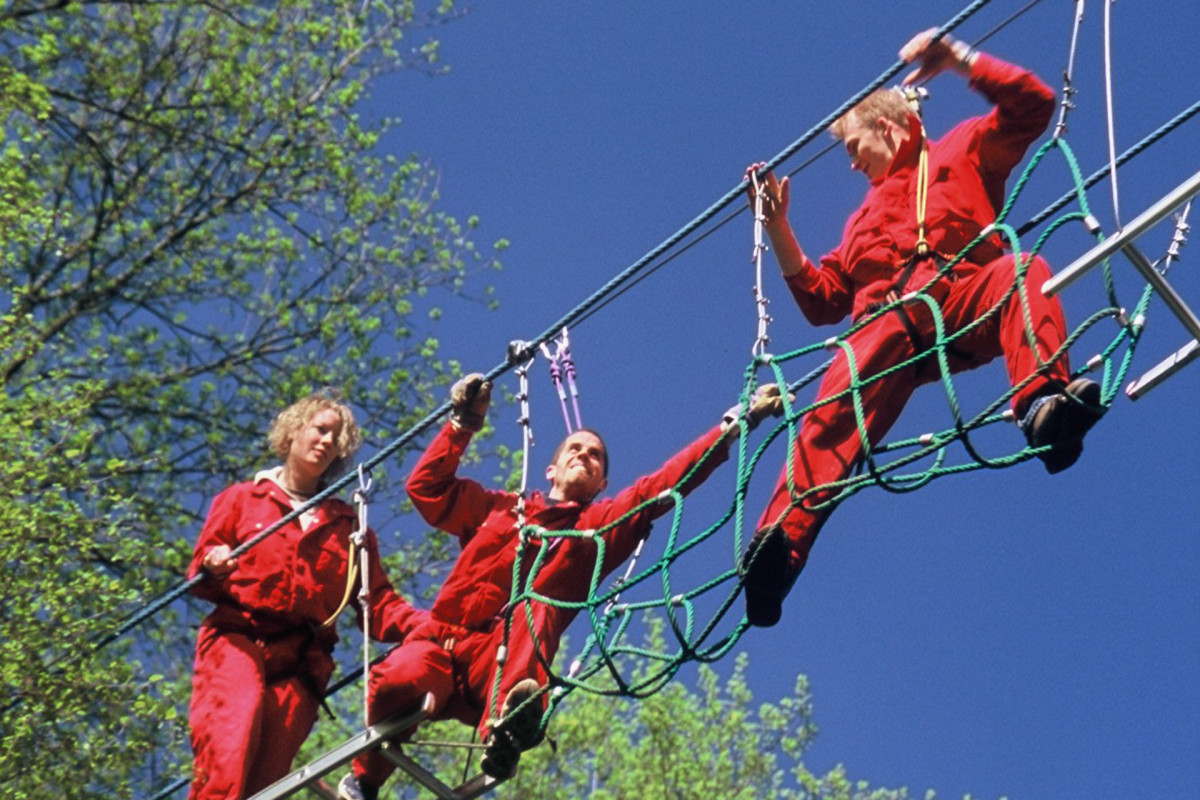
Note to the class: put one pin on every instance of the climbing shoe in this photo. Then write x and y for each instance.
(350, 789)
(767, 575)
(518, 729)
(1060, 420)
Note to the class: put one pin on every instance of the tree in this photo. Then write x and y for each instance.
(196, 231)
(687, 742)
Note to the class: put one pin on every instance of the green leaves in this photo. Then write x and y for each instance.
(195, 229)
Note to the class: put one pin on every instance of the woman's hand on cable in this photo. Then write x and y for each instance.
(219, 560)
(775, 195)
(935, 57)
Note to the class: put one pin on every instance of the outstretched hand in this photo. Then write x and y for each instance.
(934, 57)
(776, 194)
(767, 401)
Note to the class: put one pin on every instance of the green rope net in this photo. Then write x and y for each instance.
(701, 623)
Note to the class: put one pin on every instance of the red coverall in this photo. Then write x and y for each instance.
(454, 655)
(262, 660)
(967, 172)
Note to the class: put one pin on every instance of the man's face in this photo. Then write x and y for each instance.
(578, 472)
(870, 146)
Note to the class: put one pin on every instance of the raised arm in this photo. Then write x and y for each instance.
(453, 504)
(1023, 103)
(824, 294)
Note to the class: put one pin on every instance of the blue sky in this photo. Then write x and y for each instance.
(1002, 633)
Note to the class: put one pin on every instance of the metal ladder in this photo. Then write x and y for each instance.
(377, 736)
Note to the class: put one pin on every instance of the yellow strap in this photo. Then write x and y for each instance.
(351, 574)
(922, 193)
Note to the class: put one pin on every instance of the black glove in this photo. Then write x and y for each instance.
(469, 398)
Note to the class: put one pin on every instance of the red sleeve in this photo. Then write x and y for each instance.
(392, 617)
(220, 527)
(447, 502)
(823, 295)
(1023, 104)
(622, 539)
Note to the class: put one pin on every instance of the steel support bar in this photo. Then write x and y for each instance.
(467, 791)
(1126, 235)
(1163, 289)
(372, 737)
(1165, 369)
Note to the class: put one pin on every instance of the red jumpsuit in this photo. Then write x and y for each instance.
(967, 173)
(262, 660)
(454, 655)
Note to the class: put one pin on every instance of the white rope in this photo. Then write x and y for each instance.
(526, 440)
(1068, 91)
(760, 299)
(359, 538)
(1112, 136)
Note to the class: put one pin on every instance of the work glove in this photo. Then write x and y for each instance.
(767, 401)
(469, 400)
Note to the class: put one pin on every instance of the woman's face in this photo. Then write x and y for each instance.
(314, 447)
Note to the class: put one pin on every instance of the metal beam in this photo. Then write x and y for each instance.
(1123, 237)
(467, 791)
(1165, 369)
(372, 737)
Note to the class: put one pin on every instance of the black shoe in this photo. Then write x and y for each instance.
(767, 576)
(518, 730)
(1060, 421)
(500, 756)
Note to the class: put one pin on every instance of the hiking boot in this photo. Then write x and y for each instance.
(1060, 420)
(518, 730)
(350, 789)
(767, 577)
(500, 756)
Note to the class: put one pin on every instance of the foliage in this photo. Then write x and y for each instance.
(197, 229)
(692, 741)
(64, 568)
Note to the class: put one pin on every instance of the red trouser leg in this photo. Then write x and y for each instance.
(829, 445)
(397, 685)
(245, 732)
(525, 660)
(289, 712)
(1005, 333)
